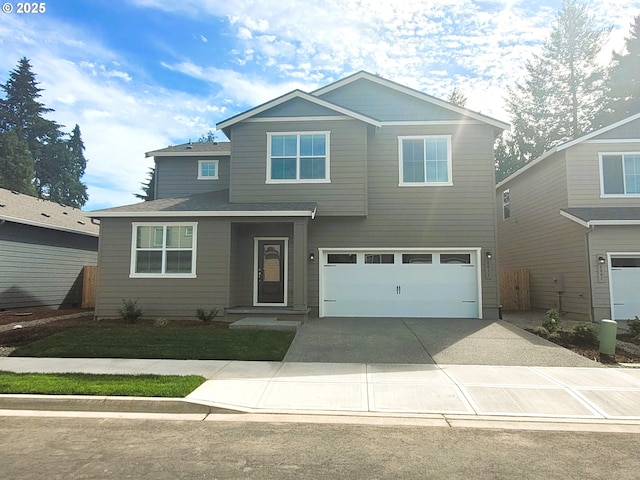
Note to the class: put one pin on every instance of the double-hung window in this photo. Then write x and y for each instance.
(207, 169)
(298, 157)
(620, 174)
(163, 250)
(425, 160)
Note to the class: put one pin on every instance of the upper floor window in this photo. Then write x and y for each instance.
(207, 169)
(620, 174)
(506, 204)
(425, 160)
(160, 250)
(298, 157)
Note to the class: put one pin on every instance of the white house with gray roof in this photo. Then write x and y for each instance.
(364, 198)
(572, 218)
(43, 248)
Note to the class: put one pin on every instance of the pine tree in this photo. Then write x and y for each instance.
(562, 93)
(457, 97)
(149, 188)
(16, 164)
(624, 79)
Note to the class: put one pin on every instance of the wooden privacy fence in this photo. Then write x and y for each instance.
(89, 284)
(514, 290)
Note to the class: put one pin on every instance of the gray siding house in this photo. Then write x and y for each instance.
(43, 248)
(572, 217)
(364, 198)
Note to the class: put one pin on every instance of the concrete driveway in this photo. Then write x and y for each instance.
(426, 341)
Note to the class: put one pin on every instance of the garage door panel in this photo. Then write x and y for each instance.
(401, 289)
(625, 293)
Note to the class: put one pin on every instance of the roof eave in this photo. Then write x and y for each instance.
(221, 213)
(33, 223)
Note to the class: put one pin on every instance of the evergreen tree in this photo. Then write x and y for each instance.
(562, 93)
(149, 188)
(624, 79)
(457, 97)
(16, 164)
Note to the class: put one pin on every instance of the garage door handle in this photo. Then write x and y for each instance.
(397, 289)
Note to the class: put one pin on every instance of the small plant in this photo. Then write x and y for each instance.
(634, 326)
(552, 321)
(130, 311)
(584, 334)
(205, 316)
(541, 332)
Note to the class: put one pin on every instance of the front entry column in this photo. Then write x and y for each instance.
(300, 264)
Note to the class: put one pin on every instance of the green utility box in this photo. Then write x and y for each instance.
(608, 332)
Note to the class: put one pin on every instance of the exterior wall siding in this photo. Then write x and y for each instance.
(538, 238)
(584, 179)
(345, 195)
(42, 267)
(163, 297)
(178, 177)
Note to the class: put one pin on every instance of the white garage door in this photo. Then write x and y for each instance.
(400, 283)
(625, 287)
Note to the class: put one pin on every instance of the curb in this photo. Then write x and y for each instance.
(91, 403)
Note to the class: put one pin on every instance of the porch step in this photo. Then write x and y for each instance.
(281, 311)
(265, 323)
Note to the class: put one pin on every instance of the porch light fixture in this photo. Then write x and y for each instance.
(601, 260)
(312, 256)
(489, 255)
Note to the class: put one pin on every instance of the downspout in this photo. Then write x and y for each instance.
(588, 242)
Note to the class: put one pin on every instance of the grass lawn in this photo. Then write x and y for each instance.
(87, 384)
(173, 341)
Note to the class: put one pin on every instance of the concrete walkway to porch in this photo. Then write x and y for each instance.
(426, 341)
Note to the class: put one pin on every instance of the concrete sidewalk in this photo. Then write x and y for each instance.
(586, 394)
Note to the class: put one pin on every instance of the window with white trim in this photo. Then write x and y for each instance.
(298, 157)
(620, 174)
(163, 250)
(207, 169)
(506, 204)
(425, 160)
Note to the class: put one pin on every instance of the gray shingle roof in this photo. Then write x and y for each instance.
(210, 203)
(605, 213)
(27, 210)
(193, 148)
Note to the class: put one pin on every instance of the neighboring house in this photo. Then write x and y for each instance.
(43, 247)
(362, 198)
(572, 217)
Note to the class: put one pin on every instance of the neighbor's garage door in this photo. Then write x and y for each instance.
(400, 284)
(625, 287)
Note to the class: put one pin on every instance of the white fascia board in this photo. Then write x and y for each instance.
(226, 213)
(599, 132)
(188, 153)
(416, 94)
(33, 223)
(289, 96)
(595, 223)
(575, 219)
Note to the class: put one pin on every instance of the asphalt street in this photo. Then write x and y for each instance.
(78, 448)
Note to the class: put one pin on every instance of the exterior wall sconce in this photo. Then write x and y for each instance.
(312, 256)
(601, 260)
(489, 255)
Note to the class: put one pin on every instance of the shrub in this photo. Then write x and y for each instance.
(130, 311)
(634, 326)
(552, 321)
(584, 334)
(205, 316)
(541, 332)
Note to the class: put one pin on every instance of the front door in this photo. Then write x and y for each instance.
(270, 274)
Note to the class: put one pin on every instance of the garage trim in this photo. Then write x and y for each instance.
(322, 251)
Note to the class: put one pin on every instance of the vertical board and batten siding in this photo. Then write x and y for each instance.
(461, 215)
(603, 240)
(178, 176)
(42, 267)
(345, 195)
(538, 238)
(583, 165)
(163, 297)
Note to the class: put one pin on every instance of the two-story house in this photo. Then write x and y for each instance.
(572, 218)
(363, 198)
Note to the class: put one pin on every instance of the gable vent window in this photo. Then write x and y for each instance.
(506, 204)
(620, 174)
(298, 157)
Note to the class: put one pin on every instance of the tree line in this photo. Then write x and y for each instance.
(566, 92)
(36, 157)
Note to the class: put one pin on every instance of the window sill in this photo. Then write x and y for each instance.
(306, 181)
(208, 178)
(620, 195)
(161, 275)
(433, 184)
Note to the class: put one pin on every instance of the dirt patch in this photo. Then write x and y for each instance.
(29, 315)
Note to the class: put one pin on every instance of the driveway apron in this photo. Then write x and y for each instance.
(446, 341)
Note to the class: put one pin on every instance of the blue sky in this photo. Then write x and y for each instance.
(138, 75)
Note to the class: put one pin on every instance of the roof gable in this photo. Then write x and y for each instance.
(361, 85)
(28, 210)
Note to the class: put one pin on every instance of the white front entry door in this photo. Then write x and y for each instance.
(625, 286)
